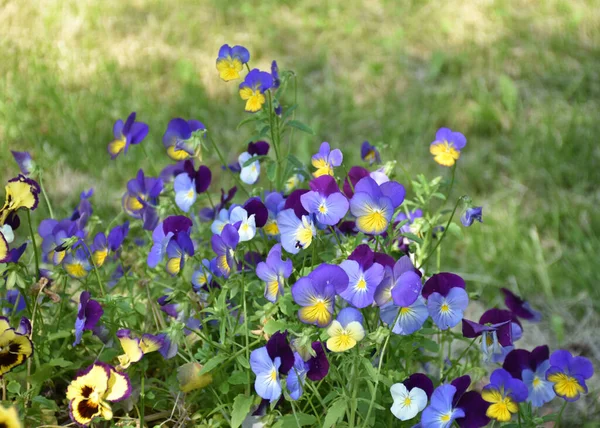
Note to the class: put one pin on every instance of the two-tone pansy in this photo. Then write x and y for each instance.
(531, 368)
(411, 396)
(373, 205)
(91, 391)
(172, 237)
(224, 246)
(15, 345)
(141, 199)
(189, 184)
(253, 88)
(369, 153)
(504, 393)
(326, 159)
(135, 348)
(296, 232)
(447, 146)
(520, 307)
(250, 161)
(24, 161)
(315, 293)
(183, 139)
(568, 374)
(77, 262)
(446, 299)
(274, 271)
(231, 60)
(126, 134)
(89, 312)
(325, 201)
(495, 329)
(364, 277)
(21, 192)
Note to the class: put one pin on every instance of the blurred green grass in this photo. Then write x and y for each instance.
(521, 79)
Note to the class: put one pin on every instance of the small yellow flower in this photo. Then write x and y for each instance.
(9, 418)
(189, 377)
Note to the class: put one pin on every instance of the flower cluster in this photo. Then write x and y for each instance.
(311, 282)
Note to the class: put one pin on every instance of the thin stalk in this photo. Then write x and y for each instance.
(46, 197)
(142, 400)
(274, 141)
(35, 249)
(100, 283)
(246, 335)
(154, 170)
(224, 163)
(559, 417)
(458, 359)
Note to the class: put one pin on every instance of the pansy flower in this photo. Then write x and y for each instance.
(224, 246)
(318, 363)
(92, 389)
(171, 237)
(470, 215)
(409, 319)
(55, 235)
(316, 294)
(231, 60)
(245, 224)
(274, 272)
(9, 417)
(392, 272)
(410, 401)
(77, 263)
(136, 348)
(179, 139)
(126, 134)
(531, 368)
(373, 205)
(296, 233)
(326, 159)
(21, 192)
(24, 161)
(520, 307)
(141, 199)
(297, 377)
(13, 303)
(446, 299)
(189, 184)
(447, 146)
(495, 329)
(15, 345)
(369, 153)
(504, 393)
(278, 346)
(325, 201)
(411, 226)
(267, 384)
(202, 276)
(222, 219)
(292, 183)
(346, 330)
(99, 249)
(117, 235)
(208, 214)
(4, 250)
(253, 88)
(364, 277)
(255, 207)
(568, 374)
(249, 161)
(89, 312)
(441, 412)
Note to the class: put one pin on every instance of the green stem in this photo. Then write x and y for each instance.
(443, 234)
(154, 170)
(458, 359)
(294, 412)
(387, 339)
(142, 400)
(100, 284)
(34, 245)
(337, 238)
(559, 417)
(46, 197)
(274, 141)
(246, 335)
(354, 377)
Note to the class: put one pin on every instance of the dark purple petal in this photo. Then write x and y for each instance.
(278, 346)
(538, 356)
(117, 235)
(419, 380)
(516, 361)
(495, 316)
(384, 259)
(363, 255)
(461, 384)
(475, 408)
(318, 366)
(442, 283)
(347, 227)
(519, 306)
(93, 312)
(170, 171)
(325, 185)
(293, 201)
(407, 289)
(176, 224)
(260, 148)
(260, 211)
(355, 174)
(203, 179)
(472, 329)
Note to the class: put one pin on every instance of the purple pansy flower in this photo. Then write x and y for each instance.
(99, 249)
(326, 160)
(252, 89)
(296, 233)
(325, 201)
(441, 413)
(531, 368)
(274, 272)
(279, 347)
(189, 184)
(369, 153)
(171, 237)
(267, 384)
(373, 205)
(88, 314)
(318, 365)
(24, 161)
(231, 60)
(178, 140)
(470, 215)
(409, 319)
(568, 374)
(447, 146)
(117, 235)
(495, 327)
(275, 74)
(471, 403)
(224, 246)
(316, 294)
(446, 299)
(274, 202)
(126, 134)
(297, 377)
(364, 277)
(504, 392)
(255, 207)
(520, 307)
(141, 199)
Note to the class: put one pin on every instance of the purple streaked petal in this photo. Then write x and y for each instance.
(407, 289)
(395, 191)
(442, 283)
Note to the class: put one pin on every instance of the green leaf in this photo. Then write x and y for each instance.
(430, 345)
(60, 362)
(253, 159)
(242, 361)
(212, 363)
(252, 118)
(290, 421)
(287, 113)
(272, 171)
(238, 378)
(334, 413)
(241, 408)
(455, 230)
(301, 126)
(273, 326)
(372, 371)
(13, 387)
(58, 335)
(44, 403)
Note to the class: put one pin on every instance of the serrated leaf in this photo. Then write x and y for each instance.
(334, 413)
(301, 126)
(273, 326)
(372, 371)
(238, 378)
(212, 363)
(241, 408)
(13, 387)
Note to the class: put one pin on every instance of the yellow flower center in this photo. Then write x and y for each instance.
(229, 69)
(502, 410)
(405, 310)
(407, 401)
(76, 270)
(444, 153)
(536, 382)
(271, 228)
(322, 209)
(373, 222)
(444, 308)
(446, 417)
(273, 375)
(254, 99)
(361, 284)
(565, 385)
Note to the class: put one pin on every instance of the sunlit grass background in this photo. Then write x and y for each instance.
(521, 79)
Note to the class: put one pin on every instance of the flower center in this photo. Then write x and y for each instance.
(273, 375)
(407, 401)
(565, 385)
(323, 209)
(361, 284)
(446, 417)
(536, 382)
(445, 308)
(405, 310)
